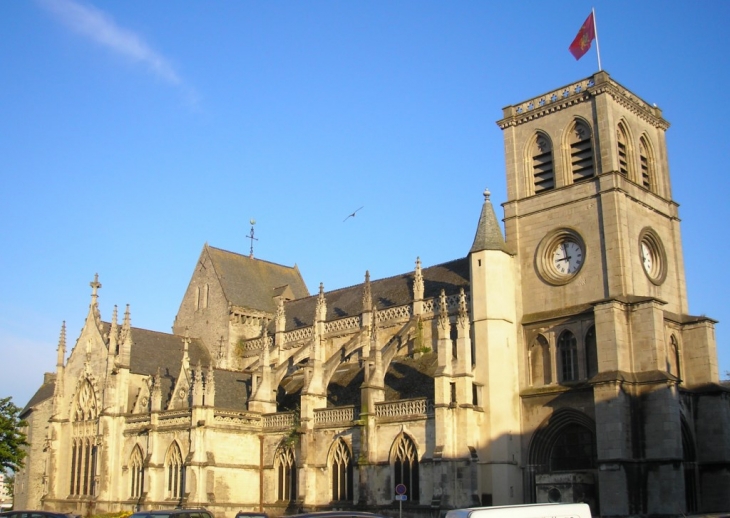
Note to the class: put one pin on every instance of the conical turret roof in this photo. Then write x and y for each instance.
(489, 234)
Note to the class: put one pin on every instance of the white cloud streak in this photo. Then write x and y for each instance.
(99, 27)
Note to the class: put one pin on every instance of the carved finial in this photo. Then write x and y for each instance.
(95, 285)
(62, 337)
(264, 327)
(127, 318)
(443, 311)
(367, 295)
(374, 328)
(186, 342)
(463, 317)
(486, 194)
(321, 311)
(126, 326)
(62, 346)
(418, 281)
(114, 331)
(280, 322)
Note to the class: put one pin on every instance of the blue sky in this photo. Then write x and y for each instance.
(131, 133)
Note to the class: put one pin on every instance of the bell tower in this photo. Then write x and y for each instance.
(605, 324)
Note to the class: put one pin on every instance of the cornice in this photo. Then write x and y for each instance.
(578, 92)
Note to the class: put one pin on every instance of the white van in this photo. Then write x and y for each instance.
(555, 510)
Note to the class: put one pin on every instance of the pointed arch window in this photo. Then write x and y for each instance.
(542, 164)
(573, 449)
(591, 353)
(341, 473)
(568, 353)
(454, 336)
(136, 471)
(623, 151)
(673, 363)
(286, 475)
(175, 471)
(540, 364)
(83, 442)
(405, 466)
(581, 152)
(646, 164)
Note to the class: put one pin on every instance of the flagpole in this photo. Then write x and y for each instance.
(595, 31)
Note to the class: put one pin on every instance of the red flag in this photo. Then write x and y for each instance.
(582, 42)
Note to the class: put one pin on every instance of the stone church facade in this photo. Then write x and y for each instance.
(556, 362)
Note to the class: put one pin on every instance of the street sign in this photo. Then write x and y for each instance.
(402, 498)
(400, 489)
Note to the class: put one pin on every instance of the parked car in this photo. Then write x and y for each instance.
(337, 514)
(171, 513)
(36, 514)
(552, 510)
(251, 514)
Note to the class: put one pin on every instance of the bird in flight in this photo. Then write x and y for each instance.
(351, 215)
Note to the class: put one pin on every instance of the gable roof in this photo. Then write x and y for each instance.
(252, 283)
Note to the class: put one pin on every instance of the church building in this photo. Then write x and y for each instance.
(556, 362)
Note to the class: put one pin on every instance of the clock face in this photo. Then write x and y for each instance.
(652, 255)
(560, 256)
(647, 258)
(567, 257)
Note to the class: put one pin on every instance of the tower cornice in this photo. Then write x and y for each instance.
(578, 92)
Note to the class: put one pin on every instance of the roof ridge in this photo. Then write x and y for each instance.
(252, 258)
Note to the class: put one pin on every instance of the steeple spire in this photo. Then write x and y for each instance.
(489, 234)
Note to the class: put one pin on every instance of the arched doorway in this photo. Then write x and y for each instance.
(562, 460)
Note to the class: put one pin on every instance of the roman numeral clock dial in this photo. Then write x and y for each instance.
(560, 256)
(568, 257)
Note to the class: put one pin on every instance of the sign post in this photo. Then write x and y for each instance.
(400, 495)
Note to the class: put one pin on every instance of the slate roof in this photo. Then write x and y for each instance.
(232, 389)
(151, 349)
(44, 393)
(251, 283)
(391, 291)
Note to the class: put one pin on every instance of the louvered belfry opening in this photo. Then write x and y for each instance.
(542, 165)
(581, 153)
(644, 159)
(623, 161)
